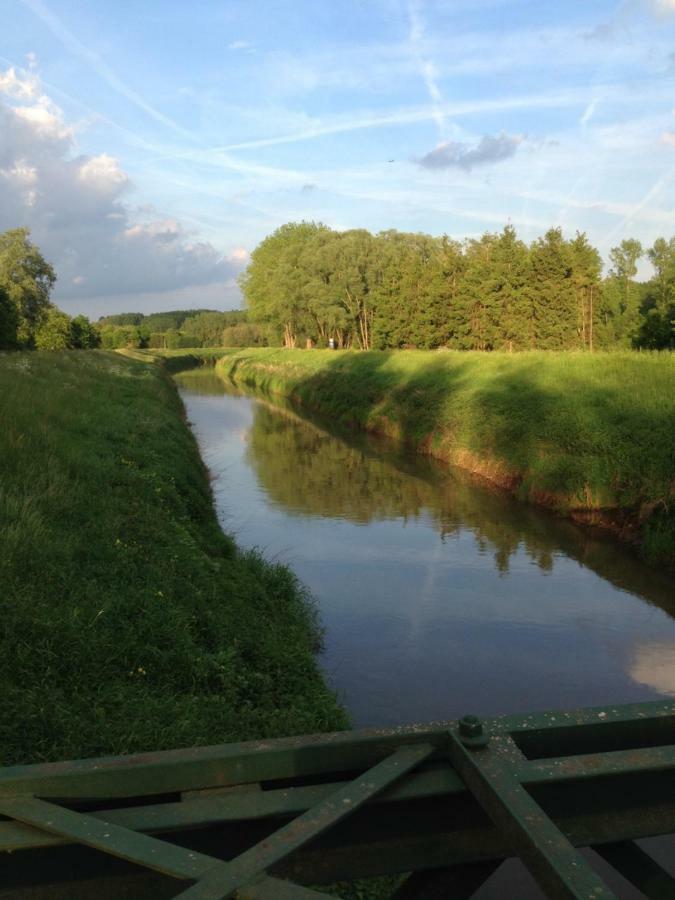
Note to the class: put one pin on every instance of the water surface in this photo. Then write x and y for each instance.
(439, 595)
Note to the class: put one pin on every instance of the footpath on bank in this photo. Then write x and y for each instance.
(591, 436)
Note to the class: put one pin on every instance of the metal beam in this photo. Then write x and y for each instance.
(561, 871)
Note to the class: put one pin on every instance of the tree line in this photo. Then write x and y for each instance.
(180, 328)
(309, 283)
(30, 320)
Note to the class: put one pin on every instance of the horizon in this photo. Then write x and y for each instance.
(150, 150)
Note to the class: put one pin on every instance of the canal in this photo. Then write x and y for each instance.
(439, 595)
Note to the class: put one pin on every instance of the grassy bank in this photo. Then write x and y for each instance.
(589, 435)
(129, 621)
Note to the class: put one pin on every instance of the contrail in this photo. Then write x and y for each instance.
(99, 65)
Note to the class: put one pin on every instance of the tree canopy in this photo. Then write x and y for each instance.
(395, 289)
(26, 281)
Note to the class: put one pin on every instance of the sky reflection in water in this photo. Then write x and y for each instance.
(439, 596)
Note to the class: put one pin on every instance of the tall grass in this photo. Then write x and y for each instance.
(590, 435)
(128, 620)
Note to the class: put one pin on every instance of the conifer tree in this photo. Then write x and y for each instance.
(552, 291)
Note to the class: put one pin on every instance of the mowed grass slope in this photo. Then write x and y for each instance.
(128, 620)
(590, 435)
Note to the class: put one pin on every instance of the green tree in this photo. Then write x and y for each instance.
(206, 328)
(274, 284)
(8, 322)
(657, 328)
(114, 337)
(354, 275)
(509, 302)
(53, 332)
(322, 294)
(243, 335)
(622, 296)
(84, 335)
(471, 317)
(586, 271)
(27, 280)
(554, 304)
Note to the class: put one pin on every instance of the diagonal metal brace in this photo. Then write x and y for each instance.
(227, 878)
(561, 871)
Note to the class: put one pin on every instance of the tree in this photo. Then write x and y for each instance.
(470, 318)
(27, 279)
(275, 281)
(206, 328)
(622, 299)
(552, 290)
(83, 334)
(8, 322)
(657, 329)
(586, 271)
(510, 302)
(53, 332)
(322, 293)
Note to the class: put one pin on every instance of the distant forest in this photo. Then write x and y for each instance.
(309, 284)
(180, 328)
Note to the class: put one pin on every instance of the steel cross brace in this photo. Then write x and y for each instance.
(561, 871)
(246, 875)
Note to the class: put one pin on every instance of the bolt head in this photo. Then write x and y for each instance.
(470, 726)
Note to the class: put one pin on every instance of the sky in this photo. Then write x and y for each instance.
(150, 146)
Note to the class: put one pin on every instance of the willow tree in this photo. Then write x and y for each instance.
(354, 261)
(323, 292)
(274, 284)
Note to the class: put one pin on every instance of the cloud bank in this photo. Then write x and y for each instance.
(455, 154)
(79, 212)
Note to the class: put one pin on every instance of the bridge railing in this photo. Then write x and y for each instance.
(445, 803)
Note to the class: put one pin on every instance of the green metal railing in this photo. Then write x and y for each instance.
(446, 803)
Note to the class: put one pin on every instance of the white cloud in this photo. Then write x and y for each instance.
(664, 6)
(103, 174)
(17, 87)
(76, 208)
(239, 45)
(240, 254)
(668, 138)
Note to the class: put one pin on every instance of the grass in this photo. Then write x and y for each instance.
(129, 621)
(589, 435)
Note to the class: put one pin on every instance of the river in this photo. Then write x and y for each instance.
(439, 595)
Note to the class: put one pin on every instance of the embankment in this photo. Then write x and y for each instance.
(129, 620)
(591, 436)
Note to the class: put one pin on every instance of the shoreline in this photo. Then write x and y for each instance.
(428, 402)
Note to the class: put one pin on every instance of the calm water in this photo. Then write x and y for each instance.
(439, 596)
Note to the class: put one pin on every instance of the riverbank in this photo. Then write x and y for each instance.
(130, 622)
(590, 436)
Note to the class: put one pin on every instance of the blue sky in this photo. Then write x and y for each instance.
(150, 146)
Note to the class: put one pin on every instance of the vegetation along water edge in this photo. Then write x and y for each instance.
(590, 436)
(130, 621)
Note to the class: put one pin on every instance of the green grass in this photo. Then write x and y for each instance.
(129, 621)
(590, 435)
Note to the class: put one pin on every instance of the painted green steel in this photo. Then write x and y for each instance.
(446, 802)
(558, 867)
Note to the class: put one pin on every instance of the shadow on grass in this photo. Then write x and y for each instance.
(550, 431)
